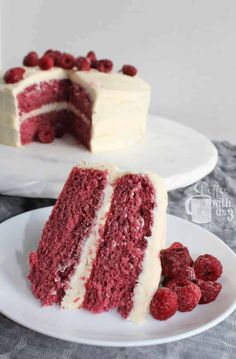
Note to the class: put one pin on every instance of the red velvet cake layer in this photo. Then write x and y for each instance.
(55, 119)
(64, 234)
(122, 246)
(78, 123)
(80, 98)
(43, 93)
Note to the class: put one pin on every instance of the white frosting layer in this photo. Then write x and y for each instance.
(119, 111)
(120, 106)
(148, 280)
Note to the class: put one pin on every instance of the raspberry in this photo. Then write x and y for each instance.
(46, 62)
(186, 272)
(31, 59)
(188, 297)
(176, 245)
(60, 129)
(176, 282)
(104, 65)
(66, 61)
(163, 304)
(14, 75)
(210, 290)
(55, 54)
(207, 267)
(129, 70)
(82, 64)
(172, 259)
(91, 56)
(46, 134)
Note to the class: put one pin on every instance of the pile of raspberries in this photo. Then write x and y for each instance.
(52, 58)
(186, 283)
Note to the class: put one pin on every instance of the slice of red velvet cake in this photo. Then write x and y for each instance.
(100, 247)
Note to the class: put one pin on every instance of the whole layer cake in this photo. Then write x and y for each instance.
(100, 247)
(103, 110)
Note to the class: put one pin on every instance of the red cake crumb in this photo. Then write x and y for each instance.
(121, 246)
(104, 65)
(14, 75)
(129, 70)
(31, 59)
(46, 134)
(173, 259)
(207, 267)
(82, 64)
(66, 61)
(46, 62)
(188, 297)
(64, 233)
(164, 304)
(209, 291)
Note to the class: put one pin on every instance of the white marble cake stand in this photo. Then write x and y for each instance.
(178, 153)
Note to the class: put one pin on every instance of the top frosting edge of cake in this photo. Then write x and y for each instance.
(93, 79)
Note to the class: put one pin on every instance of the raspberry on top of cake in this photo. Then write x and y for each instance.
(104, 110)
(100, 247)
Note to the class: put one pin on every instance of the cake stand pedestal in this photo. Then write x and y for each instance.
(178, 153)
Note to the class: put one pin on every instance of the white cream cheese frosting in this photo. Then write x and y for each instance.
(119, 109)
(148, 280)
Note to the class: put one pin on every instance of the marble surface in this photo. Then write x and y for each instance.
(216, 343)
(178, 153)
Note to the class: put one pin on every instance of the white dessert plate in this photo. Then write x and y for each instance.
(20, 235)
(178, 153)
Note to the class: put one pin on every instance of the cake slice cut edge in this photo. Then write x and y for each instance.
(85, 287)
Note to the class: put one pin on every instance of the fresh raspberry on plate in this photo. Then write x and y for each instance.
(163, 304)
(31, 59)
(188, 297)
(14, 75)
(210, 290)
(172, 259)
(46, 134)
(176, 282)
(185, 272)
(207, 267)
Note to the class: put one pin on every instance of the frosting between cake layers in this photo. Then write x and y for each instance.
(119, 108)
(149, 277)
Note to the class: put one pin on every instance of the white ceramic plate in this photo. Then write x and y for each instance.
(178, 153)
(20, 235)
